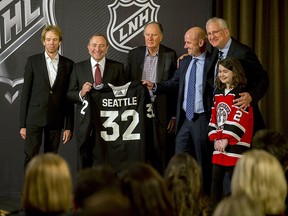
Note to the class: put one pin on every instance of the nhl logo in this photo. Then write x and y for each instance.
(127, 20)
(20, 21)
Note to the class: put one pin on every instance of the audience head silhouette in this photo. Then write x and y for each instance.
(183, 177)
(273, 142)
(259, 175)
(238, 206)
(146, 190)
(47, 187)
(93, 180)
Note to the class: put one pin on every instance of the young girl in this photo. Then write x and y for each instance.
(230, 127)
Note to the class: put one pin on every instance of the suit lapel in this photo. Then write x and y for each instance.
(186, 62)
(140, 62)
(106, 74)
(44, 69)
(59, 72)
(206, 71)
(213, 60)
(87, 73)
(232, 48)
(161, 63)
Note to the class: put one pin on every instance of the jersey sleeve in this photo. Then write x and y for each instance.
(213, 133)
(83, 122)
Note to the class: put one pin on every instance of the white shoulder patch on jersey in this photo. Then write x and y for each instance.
(120, 91)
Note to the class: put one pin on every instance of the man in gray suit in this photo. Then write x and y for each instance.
(44, 106)
(83, 77)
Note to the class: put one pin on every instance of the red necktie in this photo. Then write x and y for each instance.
(98, 78)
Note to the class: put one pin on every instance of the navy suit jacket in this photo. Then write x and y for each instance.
(257, 77)
(41, 104)
(178, 83)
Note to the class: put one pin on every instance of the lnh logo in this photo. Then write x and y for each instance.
(127, 20)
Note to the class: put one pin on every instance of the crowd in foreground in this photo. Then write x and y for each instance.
(258, 186)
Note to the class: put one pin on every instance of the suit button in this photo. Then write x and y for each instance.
(51, 92)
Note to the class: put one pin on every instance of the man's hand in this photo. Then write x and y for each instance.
(148, 84)
(244, 101)
(67, 136)
(23, 133)
(171, 125)
(86, 88)
(180, 58)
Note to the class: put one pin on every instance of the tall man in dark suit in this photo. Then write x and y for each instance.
(83, 77)
(219, 37)
(192, 134)
(257, 78)
(44, 105)
(156, 62)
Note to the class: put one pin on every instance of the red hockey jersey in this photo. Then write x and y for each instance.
(229, 122)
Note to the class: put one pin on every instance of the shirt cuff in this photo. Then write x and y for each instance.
(154, 88)
(80, 97)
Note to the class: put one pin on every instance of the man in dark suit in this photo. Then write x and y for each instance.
(156, 62)
(258, 82)
(83, 77)
(192, 134)
(44, 105)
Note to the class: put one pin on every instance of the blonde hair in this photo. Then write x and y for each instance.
(54, 28)
(237, 206)
(259, 175)
(47, 186)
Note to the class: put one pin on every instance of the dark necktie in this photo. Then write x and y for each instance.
(220, 55)
(191, 91)
(98, 78)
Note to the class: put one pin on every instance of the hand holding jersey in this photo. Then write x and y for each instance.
(85, 88)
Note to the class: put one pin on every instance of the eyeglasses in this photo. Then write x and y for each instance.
(214, 32)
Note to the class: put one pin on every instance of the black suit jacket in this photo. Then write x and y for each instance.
(41, 104)
(164, 104)
(257, 77)
(178, 82)
(113, 73)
